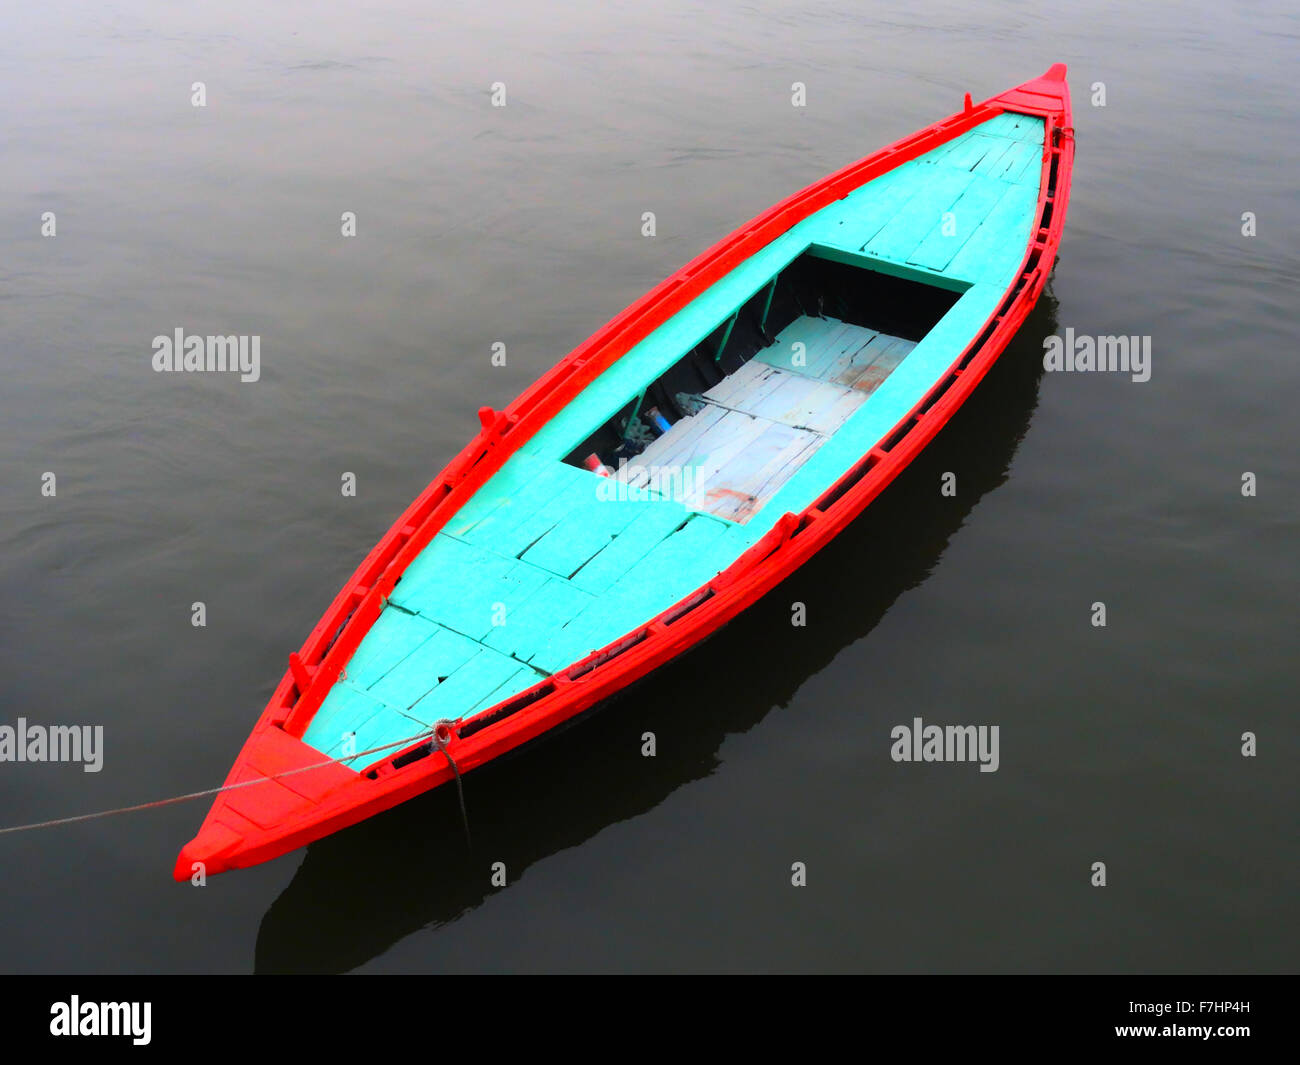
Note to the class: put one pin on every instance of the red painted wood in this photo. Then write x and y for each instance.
(332, 797)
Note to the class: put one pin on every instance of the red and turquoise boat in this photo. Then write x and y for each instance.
(664, 476)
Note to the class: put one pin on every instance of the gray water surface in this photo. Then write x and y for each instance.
(522, 225)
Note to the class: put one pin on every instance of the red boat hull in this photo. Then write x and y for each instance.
(286, 794)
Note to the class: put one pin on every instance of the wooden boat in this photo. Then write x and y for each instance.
(665, 475)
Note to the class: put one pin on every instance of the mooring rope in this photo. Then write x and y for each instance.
(460, 792)
(432, 734)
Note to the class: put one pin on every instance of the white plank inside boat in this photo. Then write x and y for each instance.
(738, 489)
(790, 398)
(825, 342)
(761, 423)
(868, 368)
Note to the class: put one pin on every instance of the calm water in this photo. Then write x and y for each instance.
(522, 225)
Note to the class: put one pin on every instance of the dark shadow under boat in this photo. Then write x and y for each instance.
(362, 890)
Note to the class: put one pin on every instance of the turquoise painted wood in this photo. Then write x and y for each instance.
(679, 562)
(345, 710)
(484, 680)
(570, 571)
(391, 639)
(969, 212)
(899, 237)
(429, 665)
(525, 628)
(653, 523)
(580, 536)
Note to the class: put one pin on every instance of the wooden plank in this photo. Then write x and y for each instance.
(524, 677)
(346, 710)
(890, 353)
(1014, 126)
(654, 523)
(581, 534)
(822, 339)
(866, 213)
(739, 491)
(531, 494)
(984, 168)
(520, 471)
(782, 469)
(741, 473)
(874, 363)
(759, 383)
(942, 154)
(471, 685)
(741, 382)
(1030, 170)
(675, 566)
(678, 441)
(853, 339)
(849, 365)
(698, 453)
(393, 636)
(998, 126)
(827, 342)
(464, 598)
(425, 668)
(899, 238)
(480, 607)
(442, 553)
(937, 250)
(975, 148)
(804, 403)
(996, 248)
(1012, 161)
(443, 574)
(799, 402)
(392, 727)
(565, 645)
(1028, 128)
(524, 628)
(729, 443)
(732, 433)
(513, 529)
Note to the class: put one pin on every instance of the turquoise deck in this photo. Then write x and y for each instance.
(537, 569)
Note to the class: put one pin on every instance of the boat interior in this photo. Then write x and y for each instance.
(753, 400)
(739, 414)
